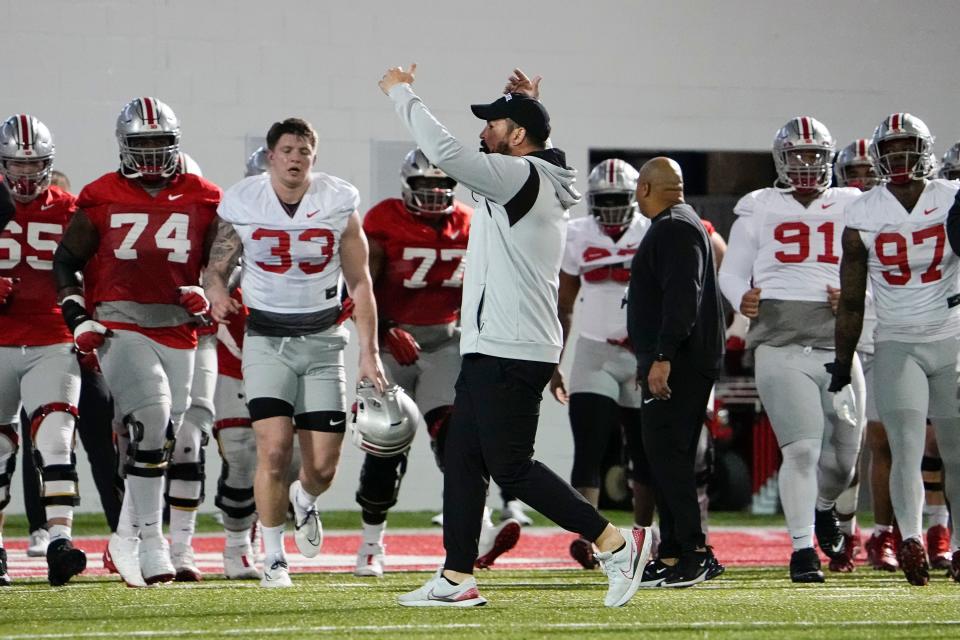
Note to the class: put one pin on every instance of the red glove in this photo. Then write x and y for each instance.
(402, 346)
(6, 288)
(346, 310)
(193, 300)
(90, 335)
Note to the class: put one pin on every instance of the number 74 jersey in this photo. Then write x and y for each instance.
(911, 267)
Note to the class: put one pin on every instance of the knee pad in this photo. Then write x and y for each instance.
(438, 421)
(9, 446)
(380, 482)
(237, 446)
(185, 473)
(52, 431)
(151, 441)
(932, 469)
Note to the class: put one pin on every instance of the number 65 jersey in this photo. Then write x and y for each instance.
(291, 264)
(911, 268)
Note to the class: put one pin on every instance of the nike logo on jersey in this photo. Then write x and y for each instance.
(44, 207)
(313, 213)
(174, 196)
(455, 234)
(827, 205)
(927, 212)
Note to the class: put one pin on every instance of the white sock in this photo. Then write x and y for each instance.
(373, 533)
(487, 519)
(305, 500)
(147, 502)
(1, 540)
(849, 526)
(183, 524)
(882, 528)
(798, 489)
(272, 542)
(237, 538)
(936, 515)
(126, 523)
(58, 531)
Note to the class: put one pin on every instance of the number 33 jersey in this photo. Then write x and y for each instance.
(911, 266)
(422, 278)
(291, 264)
(794, 250)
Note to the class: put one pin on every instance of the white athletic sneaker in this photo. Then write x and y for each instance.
(308, 531)
(624, 568)
(277, 575)
(513, 510)
(155, 562)
(437, 519)
(370, 560)
(239, 563)
(39, 540)
(181, 555)
(496, 541)
(438, 592)
(125, 555)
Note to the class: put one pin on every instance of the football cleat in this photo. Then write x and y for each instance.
(582, 551)
(844, 562)
(440, 592)
(4, 576)
(805, 566)
(63, 562)
(125, 556)
(239, 563)
(370, 560)
(938, 547)
(954, 570)
(881, 551)
(39, 540)
(155, 562)
(308, 531)
(913, 561)
(277, 575)
(829, 536)
(624, 567)
(437, 520)
(496, 541)
(513, 510)
(184, 564)
(108, 561)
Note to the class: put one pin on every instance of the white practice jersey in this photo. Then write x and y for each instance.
(604, 270)
(290, 264)
(789, 251)
(912, 270)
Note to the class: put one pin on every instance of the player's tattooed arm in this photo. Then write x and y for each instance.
(223, 249)
(853, 292)
(78, 244)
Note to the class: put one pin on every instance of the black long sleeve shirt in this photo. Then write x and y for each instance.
(673, 305)
(7, 206)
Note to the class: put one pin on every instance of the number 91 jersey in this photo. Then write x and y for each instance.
(149, 245)
(422, 279)
(291, 264)
(911, 267)
(797, 248)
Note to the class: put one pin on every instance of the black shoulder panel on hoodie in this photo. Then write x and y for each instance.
(521, 203)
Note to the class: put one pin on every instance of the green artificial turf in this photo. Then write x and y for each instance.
(743, 603)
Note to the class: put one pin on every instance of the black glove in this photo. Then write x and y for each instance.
(839, 376)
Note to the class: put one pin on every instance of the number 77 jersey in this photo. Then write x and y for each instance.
(911, 267)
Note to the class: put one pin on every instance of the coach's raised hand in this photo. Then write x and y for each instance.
(518, 82)
(396, 75)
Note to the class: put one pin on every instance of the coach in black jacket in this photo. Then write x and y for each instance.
(675, 322)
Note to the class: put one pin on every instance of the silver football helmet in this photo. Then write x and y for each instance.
(141, 123)
(857, 154)
(612, 193)
(186, 164)
(257, 163)
(803, 151)
(24, 139)
(913, 162)
(426, 189)
(950, 164)
(384, 425)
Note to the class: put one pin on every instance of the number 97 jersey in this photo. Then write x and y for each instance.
(422, 278)
(911, 267)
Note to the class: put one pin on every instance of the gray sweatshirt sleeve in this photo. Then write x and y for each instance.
(493, 175)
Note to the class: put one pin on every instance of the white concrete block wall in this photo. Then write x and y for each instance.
(688, 74)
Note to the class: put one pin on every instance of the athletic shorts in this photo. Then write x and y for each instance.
(35, 376)
(605, 369)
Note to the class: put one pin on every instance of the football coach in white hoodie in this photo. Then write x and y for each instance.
(511, 336)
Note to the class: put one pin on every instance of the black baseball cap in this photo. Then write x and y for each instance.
(522, 109)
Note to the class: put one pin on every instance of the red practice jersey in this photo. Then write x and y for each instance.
(32, 317)
(230, 341)
(422, 280)
(149, 246)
